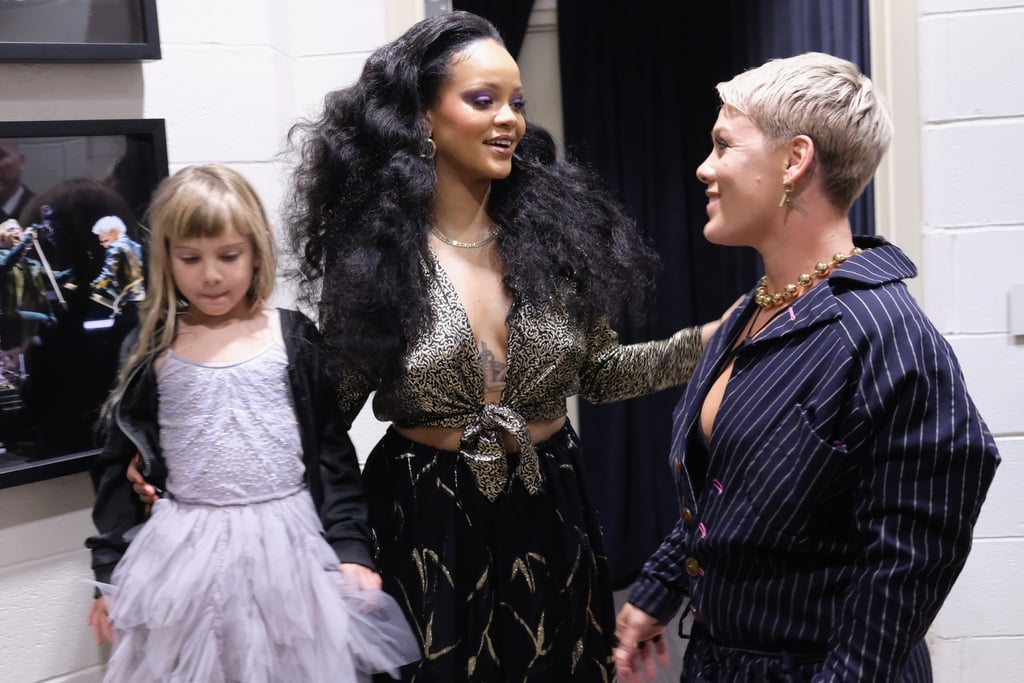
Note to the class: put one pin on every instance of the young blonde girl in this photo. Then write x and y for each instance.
(233, 577)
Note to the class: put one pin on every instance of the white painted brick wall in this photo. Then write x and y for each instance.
(1001, 518)
(229, 103)
(323, 25)
(972, 64)
(994, 370)
(44, 600)
(226, 22)
(321, 74)
(978, 607)
(993, 660)
(967, 275)
(972, 171)
(939, 6)
(234, 75)
(972, 112)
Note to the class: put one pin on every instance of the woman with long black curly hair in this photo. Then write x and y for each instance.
(468, 277)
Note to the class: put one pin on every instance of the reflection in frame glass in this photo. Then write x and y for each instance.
(72, 30)
(69, 287)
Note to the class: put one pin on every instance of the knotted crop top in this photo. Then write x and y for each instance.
(441, 382)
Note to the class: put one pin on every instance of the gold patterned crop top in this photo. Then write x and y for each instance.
(441, 383)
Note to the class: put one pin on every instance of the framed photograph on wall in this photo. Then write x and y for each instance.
(73, 200)
(71, 30)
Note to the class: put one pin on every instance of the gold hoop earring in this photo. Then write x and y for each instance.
(429, 149)
(787, 197)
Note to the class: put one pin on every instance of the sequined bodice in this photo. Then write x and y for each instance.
(228, 431)
(549, 359)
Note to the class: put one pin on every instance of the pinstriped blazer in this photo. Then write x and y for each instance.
(833, 506)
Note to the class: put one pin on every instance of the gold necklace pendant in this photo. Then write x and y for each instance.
(465, 245)
(821, 270)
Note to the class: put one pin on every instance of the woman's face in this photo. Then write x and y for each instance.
(478, 119)
(745, 181)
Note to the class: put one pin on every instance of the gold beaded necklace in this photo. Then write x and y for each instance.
(821, 270)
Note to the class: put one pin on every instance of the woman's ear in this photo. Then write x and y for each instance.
(799, 157)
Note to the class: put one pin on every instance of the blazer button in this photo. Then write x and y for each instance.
(694, 613)
(679, 467)
(692, 566)
(688, 518)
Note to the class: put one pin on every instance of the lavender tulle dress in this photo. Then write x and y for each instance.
(230, 579)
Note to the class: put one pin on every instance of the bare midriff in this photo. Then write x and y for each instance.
(448, 438)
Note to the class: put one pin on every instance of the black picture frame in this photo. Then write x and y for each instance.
(128, 157)
(143, 44)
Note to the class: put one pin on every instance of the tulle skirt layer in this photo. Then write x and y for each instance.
(247, 593)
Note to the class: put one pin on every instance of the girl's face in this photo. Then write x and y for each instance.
(745, 181)
(479, 116)
(214, 273)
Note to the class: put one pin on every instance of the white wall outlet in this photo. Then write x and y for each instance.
(1017, 309)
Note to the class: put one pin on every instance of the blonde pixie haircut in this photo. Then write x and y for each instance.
(827, 99)
(196, 202)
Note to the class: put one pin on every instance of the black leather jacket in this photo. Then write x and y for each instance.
(332, 471)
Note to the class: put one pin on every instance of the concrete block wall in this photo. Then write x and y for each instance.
(972, 117)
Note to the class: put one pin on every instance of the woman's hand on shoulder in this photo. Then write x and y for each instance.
(361, 577)
(99, 620)
(708, 329)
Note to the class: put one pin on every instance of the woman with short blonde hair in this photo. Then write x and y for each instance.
(829, 462)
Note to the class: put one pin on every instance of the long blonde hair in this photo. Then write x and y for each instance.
(196, 202)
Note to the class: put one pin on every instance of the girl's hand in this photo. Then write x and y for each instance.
(361, 577)
(145, 492)
(99, 619)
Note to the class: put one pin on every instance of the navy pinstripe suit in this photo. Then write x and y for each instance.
(829, 514)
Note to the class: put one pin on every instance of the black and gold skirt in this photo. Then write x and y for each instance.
(511, 590)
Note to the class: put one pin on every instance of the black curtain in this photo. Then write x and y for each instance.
(510, 17)
(781, 28)
(638, 98)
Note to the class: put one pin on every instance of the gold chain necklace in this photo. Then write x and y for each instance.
(821, 270)
(465, 245)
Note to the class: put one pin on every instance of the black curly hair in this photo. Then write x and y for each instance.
(360, 206)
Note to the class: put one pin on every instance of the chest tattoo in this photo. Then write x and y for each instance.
(494, 369)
